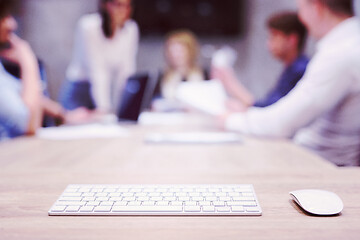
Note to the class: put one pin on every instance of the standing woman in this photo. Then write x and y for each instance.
(104, 56)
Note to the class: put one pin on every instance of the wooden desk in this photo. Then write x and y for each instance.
(34, 172)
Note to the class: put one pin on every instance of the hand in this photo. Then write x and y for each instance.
(235, 105)
(221, 120)
(19, 52)
(222, 73)
(232, 85)
(78, 116)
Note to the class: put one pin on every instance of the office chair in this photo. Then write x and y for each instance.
(76, 94)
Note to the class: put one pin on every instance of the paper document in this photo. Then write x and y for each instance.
(207, 96)
(88, 131)
(194, 138)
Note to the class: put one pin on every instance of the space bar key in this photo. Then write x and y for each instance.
(147, 209)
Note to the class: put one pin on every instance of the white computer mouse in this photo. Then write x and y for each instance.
(318, 202)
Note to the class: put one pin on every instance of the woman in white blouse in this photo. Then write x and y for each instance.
(104, 56)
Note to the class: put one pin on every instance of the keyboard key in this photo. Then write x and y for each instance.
(224, 198)
(192, 209)
(72, 208)
(114, 194)
(219, 203)
(102, 199)
(177, 203)
(220, 194)
(110, 190)
(93, 203)
(85, 194)
(252, 209)
(129, 199)
(147, 209)
(130, 194)
(237, 209)
(87, 209)
(204, 203)
(208, 208)
(162, 203)
(234, 203)
(211, 198)
(58, 209)
(121, 203)
(223, 209)
(244, 198)
(97, 190)
(249, 203)
(134, 203)
(102, 209)
(148, 203)
(197, 199)
(106, 203)
(69, 203)
(115, 199)
(184, 198)
(85, 190)
(169, 198)
(194, 194)
(190, 203)
(101, 194)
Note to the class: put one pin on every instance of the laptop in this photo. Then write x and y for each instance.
(136, 96)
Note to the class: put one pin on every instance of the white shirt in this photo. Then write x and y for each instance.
(105, 63)
(323, 111)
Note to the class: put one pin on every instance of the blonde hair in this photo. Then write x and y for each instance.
(172, 77)
(188, 39)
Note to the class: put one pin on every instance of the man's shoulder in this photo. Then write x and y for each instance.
(8, 81)
(300, 64)
(302, 60)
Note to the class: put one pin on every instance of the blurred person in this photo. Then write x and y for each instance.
(22, 102)
(54, 113)
(104, 56)
(322, 112)
(286, 40)
(181, 54)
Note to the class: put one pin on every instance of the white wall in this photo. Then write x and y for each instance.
(49, 26)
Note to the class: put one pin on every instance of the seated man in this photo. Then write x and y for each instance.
(287, 36)
(21, 101)
(322, 112)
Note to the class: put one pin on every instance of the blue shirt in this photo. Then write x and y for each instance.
(288, 79)
(14, 114)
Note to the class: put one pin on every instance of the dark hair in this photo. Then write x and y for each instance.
(289, 23)
(340, 6)
(6, 7)
(105, 19)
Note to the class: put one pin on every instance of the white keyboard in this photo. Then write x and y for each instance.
(209, 200)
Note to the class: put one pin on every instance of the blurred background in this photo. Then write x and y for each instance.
(49, 26)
